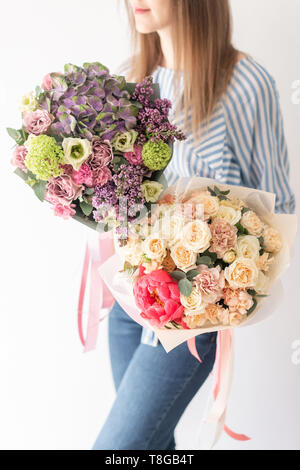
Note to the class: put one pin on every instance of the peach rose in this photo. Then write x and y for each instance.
(196, 236)
(183, 257)
(195, 321)
(155, 247)
(272, 240)
(242, 273)
(252, 223)
(210, 203)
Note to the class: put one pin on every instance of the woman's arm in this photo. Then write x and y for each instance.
(256, 135)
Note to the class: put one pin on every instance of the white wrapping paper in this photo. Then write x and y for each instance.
(263, 203)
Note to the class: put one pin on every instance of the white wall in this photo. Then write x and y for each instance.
(52, 396)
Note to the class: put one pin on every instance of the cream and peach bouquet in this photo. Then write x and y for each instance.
(206, 257)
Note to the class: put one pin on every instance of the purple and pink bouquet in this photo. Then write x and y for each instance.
(94, 145)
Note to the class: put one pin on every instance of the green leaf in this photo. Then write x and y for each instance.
(86, 208)
(40, 190)
(251, 310)
(245, 209)
(211, 191)
(241, 230)
(89, 191)
(191, 274)
(17, 135)
(251, 292)
(38, 92)
(262, 295)
(185, 287)
(204, 260)
(175, 324)
(146, 259)
(178, 275)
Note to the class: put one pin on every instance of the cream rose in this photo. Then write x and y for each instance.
(169, 228)
(248, 246)
(229, 257)
(154, 247)
(272, 240)
(196, 236)
(252, 223)
(231, 215)
(243, 273)
(132, 251)
(193, 303)
(183, 257)
(210, 203)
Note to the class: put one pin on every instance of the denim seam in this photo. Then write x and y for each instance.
(170, 404)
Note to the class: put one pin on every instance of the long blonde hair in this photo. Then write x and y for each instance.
(202, 41)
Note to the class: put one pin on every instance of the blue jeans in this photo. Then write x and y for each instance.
(153, 387)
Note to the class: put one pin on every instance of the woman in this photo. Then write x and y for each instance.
(231, 114)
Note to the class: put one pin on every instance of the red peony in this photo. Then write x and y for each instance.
(158, 296)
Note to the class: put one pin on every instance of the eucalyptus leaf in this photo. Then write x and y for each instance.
(86, 208)
(178, 275)
(185, 287)
(251, 310)
(204, 260)
(40, 190)
(191, 274)
(16, 135)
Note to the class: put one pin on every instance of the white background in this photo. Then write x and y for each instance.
(52, 396)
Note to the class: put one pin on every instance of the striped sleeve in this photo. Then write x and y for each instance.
(255, 134)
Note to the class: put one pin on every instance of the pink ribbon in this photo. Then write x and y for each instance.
(100, 296)
(223, 370)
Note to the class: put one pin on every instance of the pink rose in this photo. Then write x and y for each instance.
(37, 122)
(64, 211)
(63, 190)
(211, 283)
(83, 176)
(102, 153)
(135, 157)
(18, 158)
(238, 300)
(102, 176)
(47, 83)
(224, 236)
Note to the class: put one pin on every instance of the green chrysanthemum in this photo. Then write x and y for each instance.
(44, 157)
(156, 155)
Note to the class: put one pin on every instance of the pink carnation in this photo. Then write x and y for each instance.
(83, 176)
(47, 83)
(224, 237)
(238, 300)
(135, 157)
(211, 283)
(64, 211)
(37, 122)
(63, 190)
(18, 158)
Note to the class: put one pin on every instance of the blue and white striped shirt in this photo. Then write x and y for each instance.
(244, 143)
